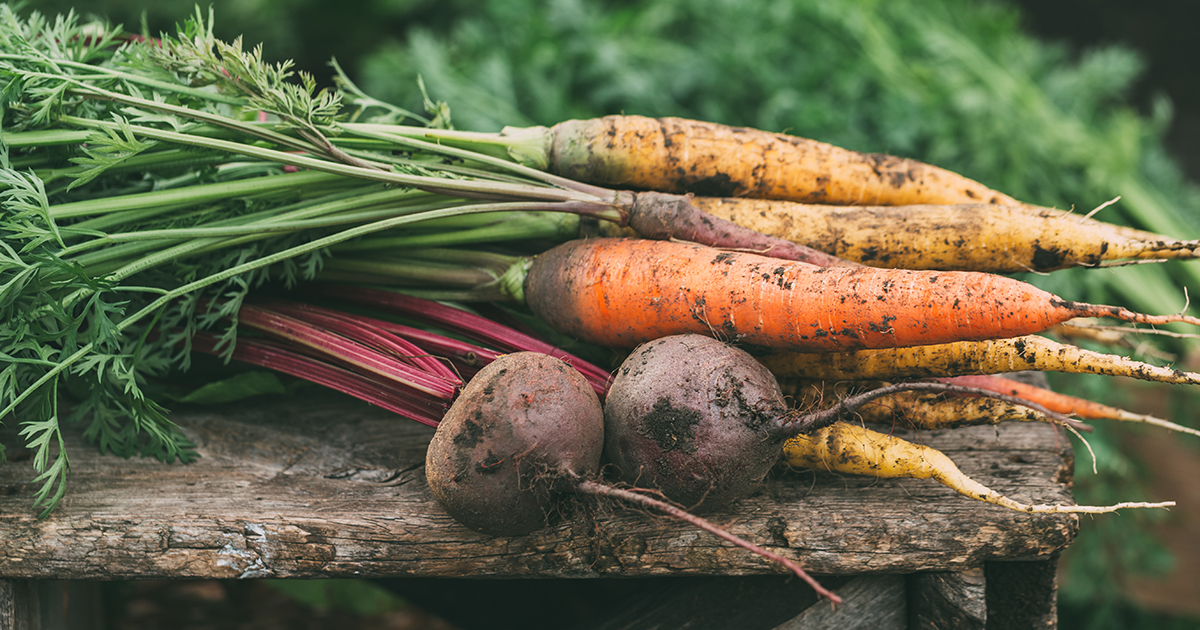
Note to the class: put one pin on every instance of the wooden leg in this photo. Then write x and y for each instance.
(1022, 594)
(946, 600)
(19, 605)
(50, 605)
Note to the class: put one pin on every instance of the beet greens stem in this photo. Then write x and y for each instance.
(603, 490)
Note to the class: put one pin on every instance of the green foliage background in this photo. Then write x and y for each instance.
(958, 84)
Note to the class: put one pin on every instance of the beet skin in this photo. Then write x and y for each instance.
(694, 418)
(497, 461)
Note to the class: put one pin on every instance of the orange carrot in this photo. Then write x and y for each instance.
(1062, 403)
(622, 292)
(678, 155)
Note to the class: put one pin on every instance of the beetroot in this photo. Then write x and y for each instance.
(695, 418)
(704, 422)
(520, 432)
(524, 432)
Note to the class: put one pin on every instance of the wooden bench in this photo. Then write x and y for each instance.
(322, 486)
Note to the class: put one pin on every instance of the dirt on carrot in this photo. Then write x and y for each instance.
(989, 356)
(969, 237)
(679, 155)
(622, 292)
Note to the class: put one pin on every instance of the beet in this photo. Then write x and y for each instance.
(703, 422)
(503, 452)
(526, 431)
(695, 418)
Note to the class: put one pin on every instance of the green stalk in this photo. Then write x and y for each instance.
(44, 138)
(118, 256)
(604, 207)
(535, 226)
(265, 261)
(462, 275)
(144, 162)
(434, 163)
(529, 146)
(275, 225)
(218, 120)
(399, 270)
(203, 193)
(376, 131)
(109, 73)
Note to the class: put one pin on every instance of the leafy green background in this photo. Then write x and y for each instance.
(959, 84)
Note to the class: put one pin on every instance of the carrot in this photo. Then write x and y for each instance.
(622, 292)
(918, 410)
(974, 237)
(989, 356)
(926, 411)
(1062, 403)
(678, 155)
(847, 448)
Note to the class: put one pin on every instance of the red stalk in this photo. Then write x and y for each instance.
(364, 330)
(467, 324)
(343, 349)
(412, 403)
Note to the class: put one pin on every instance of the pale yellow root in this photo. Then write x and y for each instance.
(847, 448)
(1129, 416)
(1078, 331)
(1031, 352)
(969, 237)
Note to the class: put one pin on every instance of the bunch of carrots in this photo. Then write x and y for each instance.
(824, 321)
(156, 190)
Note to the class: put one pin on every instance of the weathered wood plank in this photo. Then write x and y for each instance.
(324, 486)
(947, 601)
(871, 602)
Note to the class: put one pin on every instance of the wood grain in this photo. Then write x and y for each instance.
(323, 486)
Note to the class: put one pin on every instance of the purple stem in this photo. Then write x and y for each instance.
(343, 349)
(467, 324)
(666, 217)
(364, 330)
(398, 399)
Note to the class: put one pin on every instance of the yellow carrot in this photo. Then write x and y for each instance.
(991, 356)
(847, 448)
(968, 237)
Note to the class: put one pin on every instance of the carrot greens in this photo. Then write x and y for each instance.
(147, 186)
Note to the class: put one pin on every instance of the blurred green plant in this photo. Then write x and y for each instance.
(360, 597)
(961, 86)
